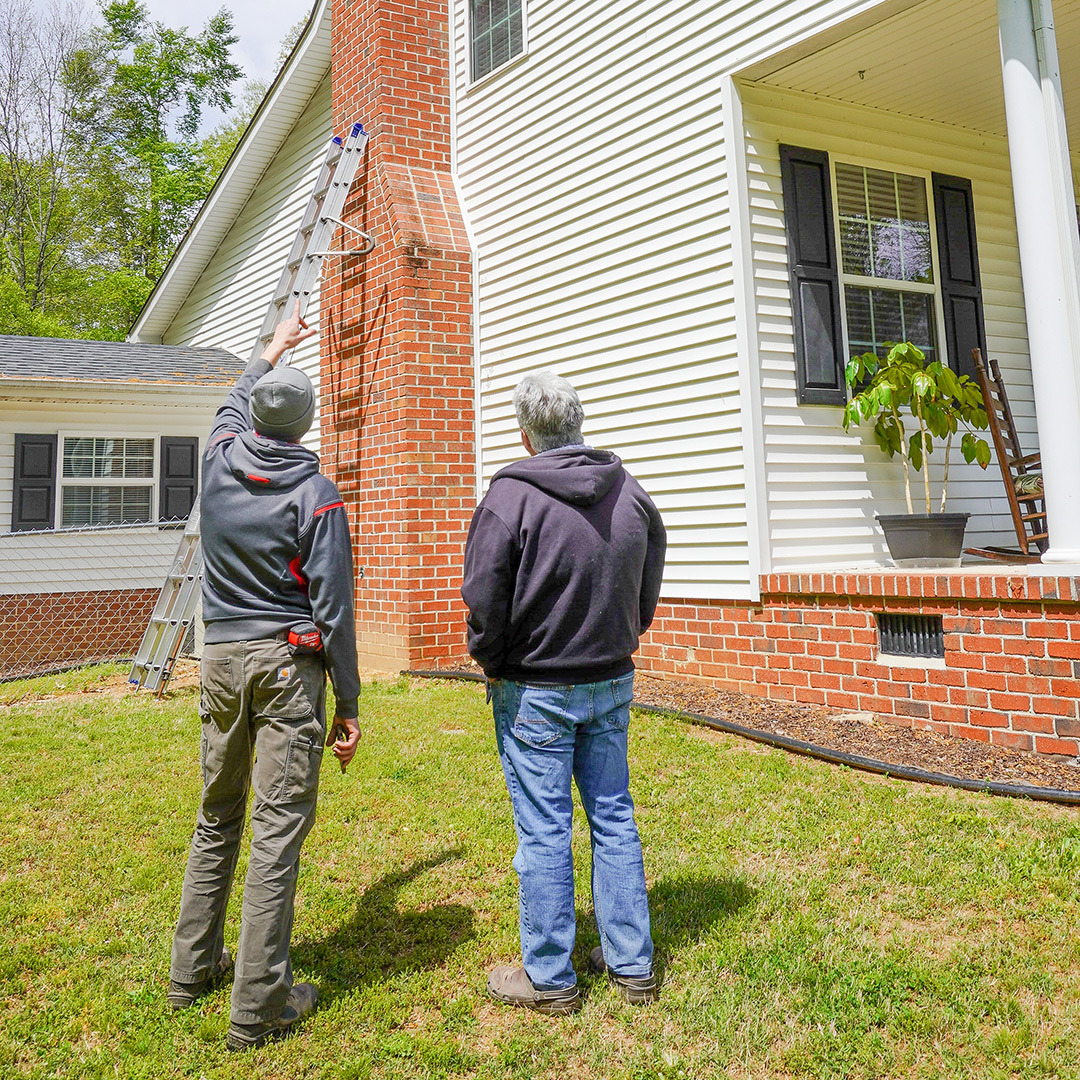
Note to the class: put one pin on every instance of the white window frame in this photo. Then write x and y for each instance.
(861, 281)
(469, 38)
(62, 481)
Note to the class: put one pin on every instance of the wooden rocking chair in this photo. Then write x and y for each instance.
(1021, 473)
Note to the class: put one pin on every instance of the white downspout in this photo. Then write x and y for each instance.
(1049, 241)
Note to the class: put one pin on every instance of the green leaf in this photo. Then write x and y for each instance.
(915, 450)
(921, 384)
(950, 384)
(982, 455)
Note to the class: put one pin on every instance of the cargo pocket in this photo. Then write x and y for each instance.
(542, 715)
(287, 764)
(301, 781)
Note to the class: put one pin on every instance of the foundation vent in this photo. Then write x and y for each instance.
(911, 635)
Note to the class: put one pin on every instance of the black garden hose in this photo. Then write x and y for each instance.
(824, 753)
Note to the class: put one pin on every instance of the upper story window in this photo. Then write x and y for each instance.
(886, 259)
(497, 33)
(106, 481)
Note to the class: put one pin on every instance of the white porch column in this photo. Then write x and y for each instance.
(1049, 255)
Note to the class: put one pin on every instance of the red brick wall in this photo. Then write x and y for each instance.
(397, 365)
(46, 630)
(1012, 651)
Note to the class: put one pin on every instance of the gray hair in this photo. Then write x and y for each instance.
(548, 411)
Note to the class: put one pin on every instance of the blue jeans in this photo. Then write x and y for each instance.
(546, 735)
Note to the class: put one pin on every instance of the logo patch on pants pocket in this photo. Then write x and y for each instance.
(284, 674)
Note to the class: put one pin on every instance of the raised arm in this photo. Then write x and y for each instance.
(233, 417)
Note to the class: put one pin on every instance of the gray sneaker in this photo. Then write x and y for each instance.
(513, 986)
(301, 1003)
(636, 989)
(184, 995)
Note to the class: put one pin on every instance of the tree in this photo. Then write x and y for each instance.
(144, 89)
(37, 95)
(218, 146)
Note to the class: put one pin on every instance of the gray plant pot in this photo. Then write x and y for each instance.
(925, 539)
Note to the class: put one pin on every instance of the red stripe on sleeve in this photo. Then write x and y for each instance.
(323, 509)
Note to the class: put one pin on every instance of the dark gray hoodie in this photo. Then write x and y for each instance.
(276, 543)
(562, 569)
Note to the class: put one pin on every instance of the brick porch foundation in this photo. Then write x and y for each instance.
(44, 630)
(1011, 673)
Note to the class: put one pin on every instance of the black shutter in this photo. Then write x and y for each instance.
(815, 285)
(958, 256)
(179, 477)
(33, 494)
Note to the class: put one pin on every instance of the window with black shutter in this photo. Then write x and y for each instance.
(866, 276)
(812, 268)
(179, 482)
(33, 496)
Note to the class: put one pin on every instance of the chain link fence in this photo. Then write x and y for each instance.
(72, 597)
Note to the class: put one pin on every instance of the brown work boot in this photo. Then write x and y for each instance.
(301, 1003)
(636, 989)
(513, 986)
(184, 995)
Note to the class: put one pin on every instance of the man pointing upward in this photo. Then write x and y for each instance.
(278, 607)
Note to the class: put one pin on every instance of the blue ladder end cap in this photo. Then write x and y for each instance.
(337, 139)
(357, 129)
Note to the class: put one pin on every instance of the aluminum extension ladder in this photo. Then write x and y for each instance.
(175, 609)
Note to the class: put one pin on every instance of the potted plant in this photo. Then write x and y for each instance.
(901, 389)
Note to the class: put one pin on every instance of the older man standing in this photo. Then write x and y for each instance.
(562, 574)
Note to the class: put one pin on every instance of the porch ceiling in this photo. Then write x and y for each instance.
(934, 59)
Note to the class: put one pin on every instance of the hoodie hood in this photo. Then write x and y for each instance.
(269, 463)
(577, 475)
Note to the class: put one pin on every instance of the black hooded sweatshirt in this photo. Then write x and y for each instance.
(276, 544)
(562, 569)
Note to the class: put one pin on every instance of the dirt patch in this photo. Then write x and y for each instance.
(863, 734)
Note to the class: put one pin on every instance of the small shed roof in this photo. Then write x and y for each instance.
(63, 359)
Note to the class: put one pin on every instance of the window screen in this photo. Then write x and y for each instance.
(886, 259)
(128, 463)
(497, 33)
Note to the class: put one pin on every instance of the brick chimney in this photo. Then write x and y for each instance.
(397, 363)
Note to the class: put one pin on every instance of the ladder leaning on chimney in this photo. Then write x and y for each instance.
(174, 611)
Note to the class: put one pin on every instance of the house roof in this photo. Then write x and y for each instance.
(32, 359)
(281, 108)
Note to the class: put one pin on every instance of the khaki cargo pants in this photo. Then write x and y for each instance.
(263, 725)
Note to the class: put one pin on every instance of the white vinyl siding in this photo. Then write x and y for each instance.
(823, 485)
(594, 177)
(66, 564)
(227, 306)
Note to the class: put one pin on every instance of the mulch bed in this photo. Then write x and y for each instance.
(857, 733)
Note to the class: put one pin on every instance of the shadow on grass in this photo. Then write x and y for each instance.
(380, 940)
(682, 911)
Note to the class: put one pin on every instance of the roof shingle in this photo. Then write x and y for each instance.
(28, 358)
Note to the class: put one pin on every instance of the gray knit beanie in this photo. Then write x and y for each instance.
(283, 404)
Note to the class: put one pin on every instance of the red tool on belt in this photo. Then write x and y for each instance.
(309, 640)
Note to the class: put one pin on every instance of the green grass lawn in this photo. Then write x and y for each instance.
(809, 921)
